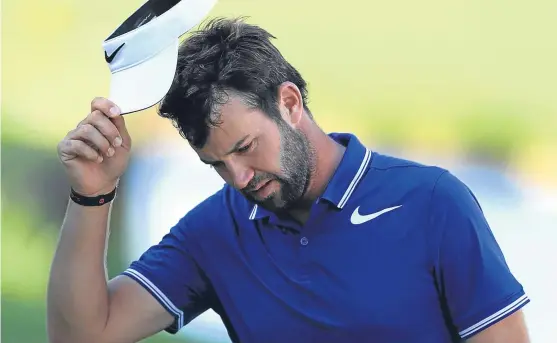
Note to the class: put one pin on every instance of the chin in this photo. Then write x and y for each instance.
(272, 203)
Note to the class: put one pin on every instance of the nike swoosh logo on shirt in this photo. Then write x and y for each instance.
(357, 218)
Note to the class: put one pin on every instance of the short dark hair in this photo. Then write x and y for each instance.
(225, 56)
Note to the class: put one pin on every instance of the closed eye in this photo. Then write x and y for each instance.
(245, 148)
(242, 150)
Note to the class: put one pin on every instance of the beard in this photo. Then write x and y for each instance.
(297, 162)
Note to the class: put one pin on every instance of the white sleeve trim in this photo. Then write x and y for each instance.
(159, 294)
(494, 317)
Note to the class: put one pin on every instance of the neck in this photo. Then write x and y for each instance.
(327, 154)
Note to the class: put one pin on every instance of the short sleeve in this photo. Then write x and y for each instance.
(478, 288)
(169, 273)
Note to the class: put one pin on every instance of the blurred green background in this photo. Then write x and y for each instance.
(469, 80)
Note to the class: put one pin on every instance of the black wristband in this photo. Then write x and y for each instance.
(92, 201)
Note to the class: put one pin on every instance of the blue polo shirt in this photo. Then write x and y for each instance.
(393, 251)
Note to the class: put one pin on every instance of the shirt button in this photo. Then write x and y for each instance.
(304, 241)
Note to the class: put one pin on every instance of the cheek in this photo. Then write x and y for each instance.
(267, 159)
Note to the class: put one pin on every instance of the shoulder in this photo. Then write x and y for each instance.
(422, 190)
(433, 185)
(402, 178)
(433, 198)
(394, 165)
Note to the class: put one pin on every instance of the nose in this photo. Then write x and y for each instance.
(240, 174)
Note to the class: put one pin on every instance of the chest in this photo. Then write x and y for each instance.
(332, 281)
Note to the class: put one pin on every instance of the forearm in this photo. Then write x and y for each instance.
(78, 300)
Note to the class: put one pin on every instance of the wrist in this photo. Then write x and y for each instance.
(93, 200)
(95, 193)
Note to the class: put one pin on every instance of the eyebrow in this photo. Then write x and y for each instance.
(236, 146)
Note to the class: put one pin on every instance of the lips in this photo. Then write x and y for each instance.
(261, 186)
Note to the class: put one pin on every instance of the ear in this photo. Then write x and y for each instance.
(290, 103)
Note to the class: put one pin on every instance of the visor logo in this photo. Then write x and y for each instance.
(113, 54)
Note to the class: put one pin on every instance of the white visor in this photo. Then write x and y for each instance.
(142, 52)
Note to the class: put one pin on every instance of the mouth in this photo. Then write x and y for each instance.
(262, 189)
(261, 186)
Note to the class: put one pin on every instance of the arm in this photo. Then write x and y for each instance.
(163, 290)
(481, 295)
(82, 307)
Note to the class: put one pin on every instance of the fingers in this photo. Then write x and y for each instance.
(91, 135)
(99, 132)
(105, 106)
(71, 148)
(106, 127)
(111, 110)
(98, 135)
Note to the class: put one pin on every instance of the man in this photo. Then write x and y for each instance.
(315, 238)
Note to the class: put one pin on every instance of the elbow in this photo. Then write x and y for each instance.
(57, 334)
(60, 329)
(67, 338)
(64, 334)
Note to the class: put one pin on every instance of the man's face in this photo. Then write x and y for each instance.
(269, 162)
